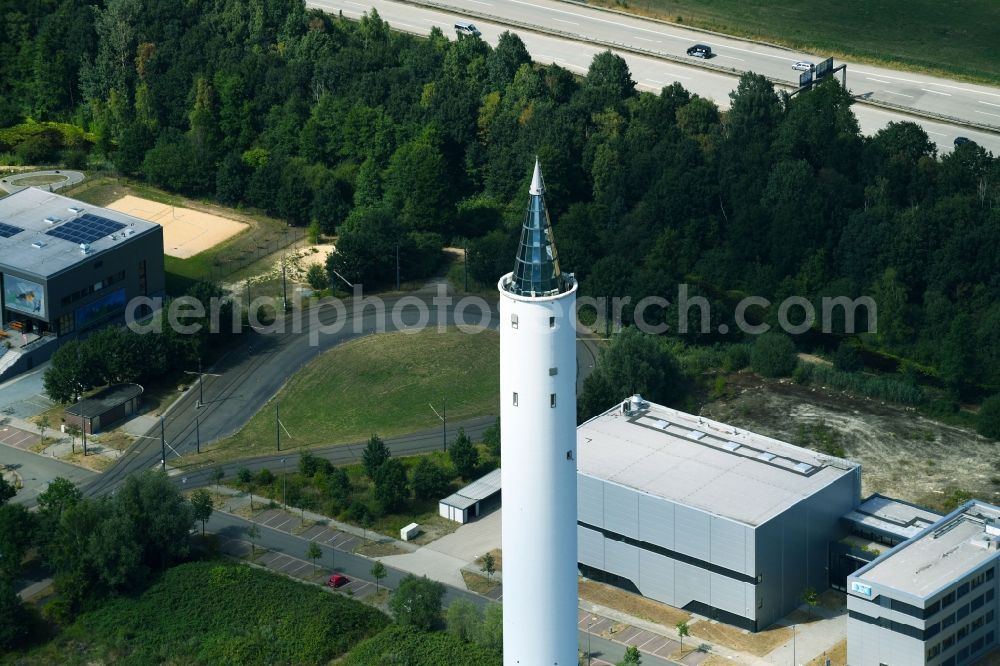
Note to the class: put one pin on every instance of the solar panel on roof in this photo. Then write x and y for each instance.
(8, 230)
(86, 229)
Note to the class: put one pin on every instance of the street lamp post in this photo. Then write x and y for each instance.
(277, 426)
(590, 623)
(201, 389)
(163, 447)
(283, 483)
(443, 416)
(197, 432)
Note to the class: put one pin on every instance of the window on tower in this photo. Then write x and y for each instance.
(552, 400)
(515, 398)
(552, 322)
(513, 321)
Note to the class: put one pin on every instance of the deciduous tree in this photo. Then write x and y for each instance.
(417, 603)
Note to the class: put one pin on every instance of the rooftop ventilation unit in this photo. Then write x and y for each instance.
(76, 210)
(634, 405)
(84, 248)
(730, 446)
(803, 468)
(766, 456)
(38, 245)
(52, 220)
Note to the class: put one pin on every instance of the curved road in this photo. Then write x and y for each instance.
(260, 363)
(584, 30)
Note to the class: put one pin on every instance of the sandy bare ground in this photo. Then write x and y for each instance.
(902, 453)
(186, 232)
(296, 262)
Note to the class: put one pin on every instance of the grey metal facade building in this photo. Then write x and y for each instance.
(67, 266)
(702, 516)
(934, 599)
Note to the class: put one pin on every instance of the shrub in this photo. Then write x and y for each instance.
(736, 358)
(773, 355)
(988, 419)
(803, 372)
(847, 358)
(406, 645)
(317, 277)
(878, 387)
(240, 615)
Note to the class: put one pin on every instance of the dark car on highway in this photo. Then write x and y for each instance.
(962, 140)
(700, 51)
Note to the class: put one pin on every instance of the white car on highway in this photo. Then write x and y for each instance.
(804, 66)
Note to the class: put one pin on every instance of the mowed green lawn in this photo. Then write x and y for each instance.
(954, 37)
(377, 384)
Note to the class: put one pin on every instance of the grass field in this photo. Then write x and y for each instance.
(949, 38)
(264, 236)
(377, 384)
(214, 613)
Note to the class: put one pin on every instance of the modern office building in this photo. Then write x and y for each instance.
(538, 445)
(879, 524)
(703, 516)
(68, 267)
(933, 599)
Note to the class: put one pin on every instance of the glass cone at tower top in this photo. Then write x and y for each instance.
(536, 272)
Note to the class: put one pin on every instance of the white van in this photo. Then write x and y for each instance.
(466, 28)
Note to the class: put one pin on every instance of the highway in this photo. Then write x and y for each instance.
(258, 364)
(586, 31)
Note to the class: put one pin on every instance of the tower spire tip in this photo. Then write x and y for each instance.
(537, 184)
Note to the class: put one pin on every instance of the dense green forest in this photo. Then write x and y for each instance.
(393, 139)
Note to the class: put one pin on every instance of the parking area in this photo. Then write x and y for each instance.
(287, 522)
(646, 641)
(294, 567)
(19, 439)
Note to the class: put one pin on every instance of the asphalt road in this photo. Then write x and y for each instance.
(37, 471)
(580, 24)
(338, 454)
(256, 367)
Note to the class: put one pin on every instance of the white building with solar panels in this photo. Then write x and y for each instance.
(700, 515)
(67, 267)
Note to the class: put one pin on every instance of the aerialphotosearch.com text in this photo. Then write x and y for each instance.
(358, 314)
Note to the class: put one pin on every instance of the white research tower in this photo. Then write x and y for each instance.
(538, 448)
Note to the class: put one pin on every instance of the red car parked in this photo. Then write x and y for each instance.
(336, 580)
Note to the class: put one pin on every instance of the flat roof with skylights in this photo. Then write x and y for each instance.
(701, 463)
(43, 234)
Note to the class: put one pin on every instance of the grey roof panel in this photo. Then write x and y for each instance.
(476, 491)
